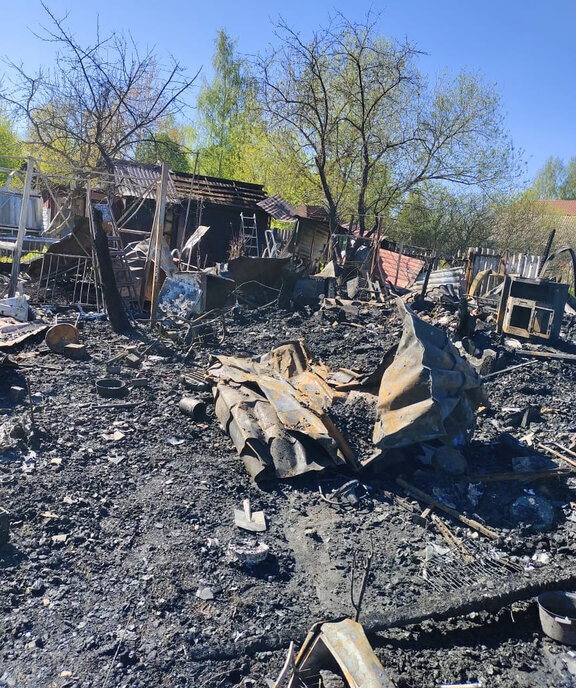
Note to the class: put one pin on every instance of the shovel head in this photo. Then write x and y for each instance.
(250, 520)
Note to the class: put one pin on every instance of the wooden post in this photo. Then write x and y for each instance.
(400, 249)
(21, 229)
(376, 247)
(158, 238)
(427, 277)
(114, 306)
(546, 251)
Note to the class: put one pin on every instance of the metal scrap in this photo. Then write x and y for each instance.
(342, 646)
(272, 409)
(428, 391)
(13, 332)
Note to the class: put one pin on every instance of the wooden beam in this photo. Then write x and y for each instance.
(427, 499)
(158, 239)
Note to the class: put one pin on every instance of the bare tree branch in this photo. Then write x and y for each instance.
(98, 101)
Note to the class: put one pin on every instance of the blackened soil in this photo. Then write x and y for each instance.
(121, 516)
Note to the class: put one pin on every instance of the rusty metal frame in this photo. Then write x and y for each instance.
(81, 271)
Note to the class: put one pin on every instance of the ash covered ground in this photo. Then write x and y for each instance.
(121, 521)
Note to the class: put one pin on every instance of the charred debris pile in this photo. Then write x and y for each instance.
(273, 472)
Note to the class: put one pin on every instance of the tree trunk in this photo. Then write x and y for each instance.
(332, 209)
(362, 193)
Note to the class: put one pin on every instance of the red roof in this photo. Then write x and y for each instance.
(561, 207)
(410, 268)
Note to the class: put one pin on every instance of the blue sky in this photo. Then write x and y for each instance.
(524, 47)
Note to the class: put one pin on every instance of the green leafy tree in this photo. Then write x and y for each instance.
(265, 158)
(371, 125)
(222, 104)
(439, 218)
(436, 217)
(10, 146)
(556, 180)
(236, 141)
(569, 187)
(522, 224)
(171, 143)
(550, 179)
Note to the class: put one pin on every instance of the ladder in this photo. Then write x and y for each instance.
(122, 272)
(273, 247)
(249, 235)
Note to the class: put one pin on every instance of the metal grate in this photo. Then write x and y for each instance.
(451, 571)
(67, 278)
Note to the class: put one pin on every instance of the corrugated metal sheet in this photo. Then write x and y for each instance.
(453, 276)
(409, 270)
(217, 191)
(11, 204)
(485, 259)
(137, 180)
(278, 208)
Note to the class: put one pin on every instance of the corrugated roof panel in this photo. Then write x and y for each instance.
(138, 180)
(409, 270)
(453, 276)
(218, 191)
(278, 208)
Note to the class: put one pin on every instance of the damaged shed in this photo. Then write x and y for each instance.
(220, 205)
(191, 200)
(309, 236)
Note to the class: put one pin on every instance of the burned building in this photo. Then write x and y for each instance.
(309, 234)
(220, 204)
(191, 200)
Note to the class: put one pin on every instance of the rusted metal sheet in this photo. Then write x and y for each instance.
(273, 410)
(406, 267)
(340, 647)
(428, 392)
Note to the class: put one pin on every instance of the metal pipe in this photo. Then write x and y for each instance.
(17, 255)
